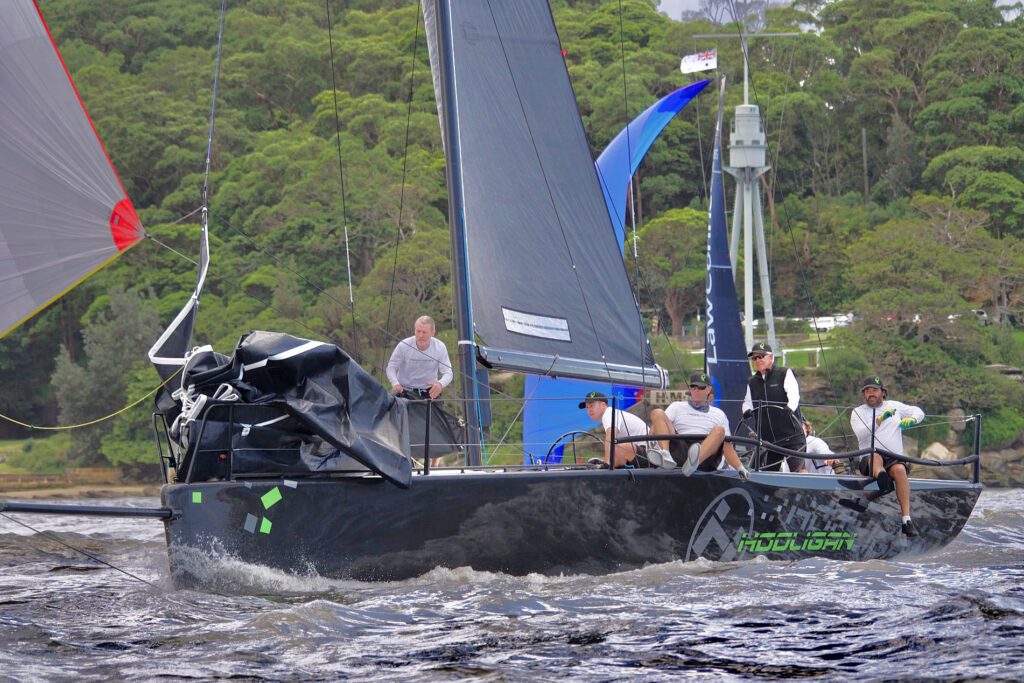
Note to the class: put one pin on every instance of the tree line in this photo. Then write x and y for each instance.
(896, 140)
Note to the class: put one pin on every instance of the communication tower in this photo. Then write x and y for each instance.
(747, 164)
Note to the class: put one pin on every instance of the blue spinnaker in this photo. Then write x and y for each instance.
(552, 409)
(620, 159)
(724, 354)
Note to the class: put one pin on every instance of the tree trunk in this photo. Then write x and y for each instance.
(675, 311)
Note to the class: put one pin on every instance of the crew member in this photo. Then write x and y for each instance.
(696, 416)
(879, 423)
(771, 406)
(419, 364)
(629, 454)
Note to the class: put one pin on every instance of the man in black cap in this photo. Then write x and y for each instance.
(771, 407)
(626, 424)
(697, 416)
(879, 423)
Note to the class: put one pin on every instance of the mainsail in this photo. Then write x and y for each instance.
(63, 210)
(545, 418)
(544, 287)
(724, 354)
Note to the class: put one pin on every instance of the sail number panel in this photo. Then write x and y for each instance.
(533, 325)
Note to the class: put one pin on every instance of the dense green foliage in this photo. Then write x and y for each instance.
(935, 86)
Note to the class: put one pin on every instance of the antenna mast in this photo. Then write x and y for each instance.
(747, 165)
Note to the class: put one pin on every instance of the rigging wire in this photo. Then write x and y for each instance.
(401, 200)
(341, 174)
(633, 189)
(213, 116)
(99, 419)
(704, 179)
(168, 247)
(625, 113)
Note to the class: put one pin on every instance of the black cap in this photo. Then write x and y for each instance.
(873, 381)
(760, 347)
(700, 379)
(593, 397)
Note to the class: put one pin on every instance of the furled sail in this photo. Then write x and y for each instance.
(724, 354)
(169, 352)
(544, 277)
(63, 211)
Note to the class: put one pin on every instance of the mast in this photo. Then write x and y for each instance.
(470, 388)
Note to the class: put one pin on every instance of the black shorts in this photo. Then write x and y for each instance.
(864, 467)
(678, 448)
(640, 460)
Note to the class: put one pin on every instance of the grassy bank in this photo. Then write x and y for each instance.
(48, 455)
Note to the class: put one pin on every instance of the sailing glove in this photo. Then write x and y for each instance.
(885, 416)
(744, 473)
(907, 423)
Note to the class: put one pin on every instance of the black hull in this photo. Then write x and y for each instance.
(550, 522)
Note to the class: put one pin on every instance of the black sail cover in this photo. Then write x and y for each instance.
(547, 283)
(289, 406)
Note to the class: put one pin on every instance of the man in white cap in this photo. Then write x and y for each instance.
(879, 423)
(771, 406)
(626, 424)
(696, 416)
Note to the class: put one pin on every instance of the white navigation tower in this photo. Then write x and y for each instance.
(747, 164)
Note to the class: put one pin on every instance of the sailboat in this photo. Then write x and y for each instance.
(286, 454)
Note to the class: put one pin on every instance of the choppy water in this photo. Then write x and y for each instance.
(953, 615)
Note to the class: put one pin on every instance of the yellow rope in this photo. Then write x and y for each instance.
(99, 419)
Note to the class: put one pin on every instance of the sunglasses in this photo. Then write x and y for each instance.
(698, 386)
(759, 356)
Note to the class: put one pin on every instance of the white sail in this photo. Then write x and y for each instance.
(63, 210)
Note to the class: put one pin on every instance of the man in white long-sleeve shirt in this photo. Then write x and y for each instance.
(420, 364)
(879, 423)
(817, 446)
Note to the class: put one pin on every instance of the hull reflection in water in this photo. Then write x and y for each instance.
(553, 522)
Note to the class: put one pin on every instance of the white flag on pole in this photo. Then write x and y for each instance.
(702, 61)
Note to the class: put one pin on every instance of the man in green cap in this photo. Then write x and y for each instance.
(696, 416)
(879, 423)
(626, 424)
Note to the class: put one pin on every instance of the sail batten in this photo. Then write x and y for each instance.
(63, 210)
(538, 238)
